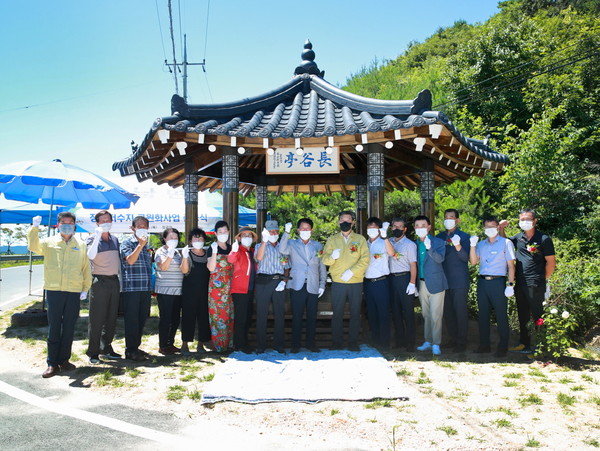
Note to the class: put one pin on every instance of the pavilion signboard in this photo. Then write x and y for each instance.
(310, 160)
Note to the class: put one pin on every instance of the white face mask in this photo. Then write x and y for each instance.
(373, 233)
(223, 237)
(171, 243)
(421, 233)
(449, 224)
(273, 238)
(304, 234)
(247, 241)
(141, 233)
(198, 244)
(491, 232)
(526, 225)
(106, 226)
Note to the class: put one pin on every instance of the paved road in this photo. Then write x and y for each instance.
(14, 286)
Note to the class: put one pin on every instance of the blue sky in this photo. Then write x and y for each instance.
(80, 78)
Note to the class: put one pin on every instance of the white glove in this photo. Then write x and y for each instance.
(235, 246)
(83, 296)
(411, 288)
(474, 239)
(547, 293)
(347, 275)
(265, 235)
(335, 254)
(416, 292)
(171, 252)
(36, 221)
(185, 252)
(214, 247)
(455, 240)
(281, 286)
(288, 227)
(427, 243)
(383, 230)
(509, 291)
(98, 232)
(321, 291)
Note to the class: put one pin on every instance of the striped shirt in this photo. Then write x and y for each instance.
(168, 281)
(273, 261)
(136, 277)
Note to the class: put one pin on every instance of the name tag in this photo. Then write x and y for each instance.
(493, 252)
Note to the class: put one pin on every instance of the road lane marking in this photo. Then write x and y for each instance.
(94, 418)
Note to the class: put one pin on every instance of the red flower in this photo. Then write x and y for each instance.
(539, 322)
(353, 249)
(449, 242)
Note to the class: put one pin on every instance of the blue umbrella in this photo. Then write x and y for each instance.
(56, 183)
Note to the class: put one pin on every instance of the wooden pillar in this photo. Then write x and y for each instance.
(262, 207)
(231, 189)
(190, 190)
(361, 206)
(428, 191)
(376, 180)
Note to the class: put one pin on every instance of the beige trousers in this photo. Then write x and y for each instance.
(433, 311)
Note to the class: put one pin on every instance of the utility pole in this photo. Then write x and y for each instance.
(185, 64)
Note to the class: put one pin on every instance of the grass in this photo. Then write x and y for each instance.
(423, 379)
(577, 388)
(133, 372)
(588, 378)
(187, 378)
(108, 378)
(565, 380)
(207, 377)
(565, 400)
(595, 400)
(588, 354)
(592, 442)
(502, 423)
(532, 443)
(504, 410)
(176, 393)
(333, 412)
(445, 364)
(404, 372)
(379, 403)
(195, 395)
(511, 384)
(449, 430)
(537, 373)
(529, 400)
(513, 375)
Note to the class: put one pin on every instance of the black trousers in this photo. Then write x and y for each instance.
(490, 294)
(169, 308)
(303, 300)
(136, 309)
(194, 312)
(377, 295)
(340, 293)
(63, 311)
(530, 301)
(456, 314)
(265, 294)
(403, 310)
(242, 317)
(102, 321)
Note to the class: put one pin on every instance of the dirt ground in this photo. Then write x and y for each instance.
(456, 401)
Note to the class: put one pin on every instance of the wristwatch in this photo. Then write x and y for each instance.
(510, 284)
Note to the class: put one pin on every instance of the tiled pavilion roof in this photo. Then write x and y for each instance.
(309, 111)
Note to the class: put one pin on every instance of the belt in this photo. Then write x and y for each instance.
(376, 279)
(398, 274)
(422, 278)
(491, 277)
(101, 276)
(272, 276)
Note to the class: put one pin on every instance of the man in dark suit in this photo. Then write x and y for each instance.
(432, 283)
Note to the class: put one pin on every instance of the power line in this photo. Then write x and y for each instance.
(162, 41)
(513, 69)
(173, 45)
(180, 28)
(205, 46)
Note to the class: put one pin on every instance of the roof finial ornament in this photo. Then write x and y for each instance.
(308, 65)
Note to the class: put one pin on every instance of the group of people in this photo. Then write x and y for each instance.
(210, 291)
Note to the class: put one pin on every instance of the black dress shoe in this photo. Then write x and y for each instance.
(50, 371)
(483, 350)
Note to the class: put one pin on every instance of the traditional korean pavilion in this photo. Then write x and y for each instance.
(307, 136)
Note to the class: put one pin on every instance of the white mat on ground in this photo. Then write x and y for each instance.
(304, 377)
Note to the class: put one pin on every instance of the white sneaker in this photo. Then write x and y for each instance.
(435, 349)
(425, 346)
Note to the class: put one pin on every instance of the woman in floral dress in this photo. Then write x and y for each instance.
(220, 305)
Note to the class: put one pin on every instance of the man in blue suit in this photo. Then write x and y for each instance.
(307, 281)
(432, 283)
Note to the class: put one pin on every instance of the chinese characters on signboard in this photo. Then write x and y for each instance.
(314, 160)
